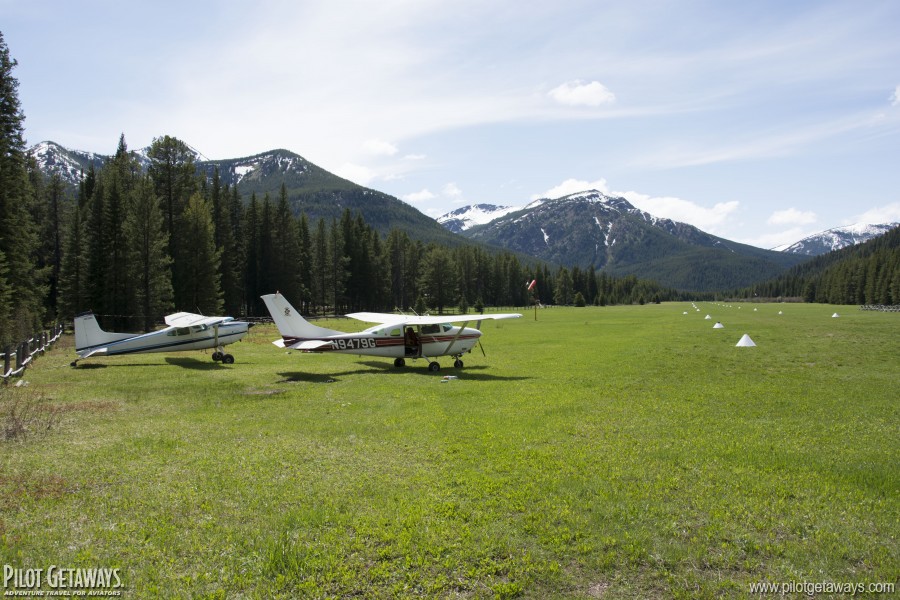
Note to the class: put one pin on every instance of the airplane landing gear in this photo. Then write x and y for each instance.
(399, 362)
(434, 367)
(226, 359)
(458, 363)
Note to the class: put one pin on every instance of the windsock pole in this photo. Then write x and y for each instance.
(533, 299)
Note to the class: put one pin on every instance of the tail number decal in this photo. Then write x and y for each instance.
(352, 343)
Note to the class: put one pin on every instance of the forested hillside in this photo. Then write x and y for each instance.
(865, 274)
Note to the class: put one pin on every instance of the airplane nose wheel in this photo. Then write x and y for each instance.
(434, 367)
(217, 356)
(458, 363)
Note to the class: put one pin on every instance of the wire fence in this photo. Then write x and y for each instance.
(16, 357)
(881, 307)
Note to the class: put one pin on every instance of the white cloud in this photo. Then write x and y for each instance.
(889, 213)
(573, 186)
(356, 173)
(778, 239)
(380, 148)
(792, 216)
(420, 196)
(414, 157)
(579, 93)
(895, 97)
(452, 191)
(667, 207)
(685, 211)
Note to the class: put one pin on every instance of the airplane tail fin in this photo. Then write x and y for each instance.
(88, 333)
(289, 321)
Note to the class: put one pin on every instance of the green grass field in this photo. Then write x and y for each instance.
(616, 452)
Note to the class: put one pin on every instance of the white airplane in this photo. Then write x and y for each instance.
(185, 331)
(395, 336)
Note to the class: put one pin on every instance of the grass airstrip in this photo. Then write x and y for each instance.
(614, 452)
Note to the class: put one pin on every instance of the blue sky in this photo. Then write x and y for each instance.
(760, 121)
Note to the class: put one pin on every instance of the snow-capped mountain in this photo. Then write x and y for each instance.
(467, 217)
(591, 228)
(310, 189)
(837, 238)
(70, 165)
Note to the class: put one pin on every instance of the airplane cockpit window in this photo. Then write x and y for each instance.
(430, 329)
(180, 331)
(446, 327)
(395, 332)
(199, 328)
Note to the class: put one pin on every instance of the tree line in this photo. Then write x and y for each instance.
(865, 274)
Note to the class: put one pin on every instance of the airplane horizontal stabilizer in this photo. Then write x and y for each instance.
(311, 345)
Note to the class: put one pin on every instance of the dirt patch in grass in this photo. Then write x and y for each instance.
(16, 488)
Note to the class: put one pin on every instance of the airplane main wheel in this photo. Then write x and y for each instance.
(458, 364)
(434, 367)
(399, 362)
(217, 356)
(228, 359)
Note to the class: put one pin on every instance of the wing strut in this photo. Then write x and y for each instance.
(453, 341)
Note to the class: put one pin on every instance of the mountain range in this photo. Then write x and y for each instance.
(588, 228)
(462, 219)
(310, 189)
(591, 228)
(837, 238)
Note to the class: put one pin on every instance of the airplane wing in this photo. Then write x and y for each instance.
(186, 319)
(392, 319)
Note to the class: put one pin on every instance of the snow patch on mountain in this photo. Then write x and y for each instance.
(467, 217)
(837, 238)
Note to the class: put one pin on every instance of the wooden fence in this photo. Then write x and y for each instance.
(20, 355)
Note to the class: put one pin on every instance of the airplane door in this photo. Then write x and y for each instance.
(412, 343)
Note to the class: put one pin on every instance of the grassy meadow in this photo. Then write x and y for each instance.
(615, 452)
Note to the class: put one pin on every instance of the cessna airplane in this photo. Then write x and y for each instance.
(396, 336)
(185, 331)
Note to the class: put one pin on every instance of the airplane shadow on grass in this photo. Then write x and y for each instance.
(183, 362)
(382, 368)
(195, 363)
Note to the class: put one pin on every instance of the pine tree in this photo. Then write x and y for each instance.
(229, 265)
(174, 178)
(305, 266)
(337, 265)
(564, 292)
(251, 258)
(286, 254)
(52, 236)
(18, 235)
(148, 258)
(200, 286)
(74, 293)
(321, 274)
(118, 290)
(438, 279)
